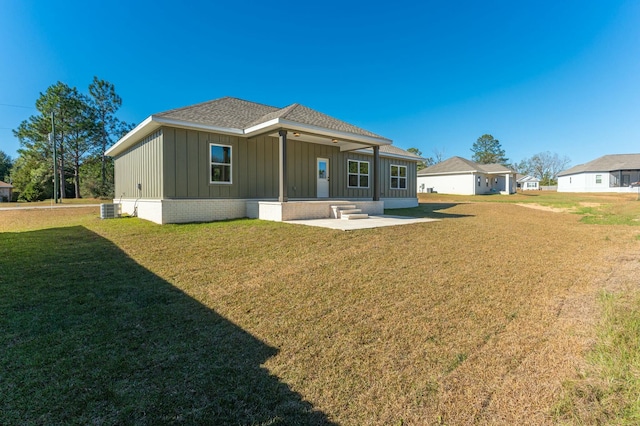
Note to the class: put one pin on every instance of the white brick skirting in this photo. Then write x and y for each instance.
(400, 203)
(185, 211)
(294, 210)
(209, 210)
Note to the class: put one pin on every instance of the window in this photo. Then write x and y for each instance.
(598, 178)
(398, 177)
(478, 180)
(220, 163)
(487, 180)
(358, 174)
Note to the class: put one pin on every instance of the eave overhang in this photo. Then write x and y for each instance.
(346, 141)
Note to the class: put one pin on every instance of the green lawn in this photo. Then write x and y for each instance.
(487, 316)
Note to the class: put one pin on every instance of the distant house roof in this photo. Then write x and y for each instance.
(527, 178)
(244, 118)
(5, 185)
(606, 163)
(457, 165)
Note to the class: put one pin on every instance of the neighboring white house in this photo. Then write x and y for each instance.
(528, 183)
(609, 173)
(457, 175)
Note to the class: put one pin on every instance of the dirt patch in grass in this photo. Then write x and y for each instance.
(544, 208)
(476, 319)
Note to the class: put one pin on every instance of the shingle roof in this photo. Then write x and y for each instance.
(394, 151)
(495, 168)
(241, 114)
(223, 112)
(239, 117)
(606, 163)
(527, 178)
(461, 165)
(5, 185)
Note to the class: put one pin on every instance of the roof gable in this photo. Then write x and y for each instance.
(455, 165)
(450, 166)
(224, 112)
(606, 163)
(240, 114)
(239, 117)
(527, 178)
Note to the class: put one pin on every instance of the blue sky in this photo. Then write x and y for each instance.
(559, 76)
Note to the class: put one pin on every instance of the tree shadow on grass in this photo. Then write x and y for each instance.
(90, 336)
(429, 210)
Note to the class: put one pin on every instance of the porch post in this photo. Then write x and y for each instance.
(376, 173)
(282, 178)
(508, 188)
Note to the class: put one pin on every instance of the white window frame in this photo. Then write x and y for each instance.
(358, 174)
(406, 170)
(212, 163)
(598, 179)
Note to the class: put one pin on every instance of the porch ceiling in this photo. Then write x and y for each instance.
(344, 143)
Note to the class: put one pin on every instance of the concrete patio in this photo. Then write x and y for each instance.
(370, 222)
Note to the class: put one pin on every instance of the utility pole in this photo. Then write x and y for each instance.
(55, 159)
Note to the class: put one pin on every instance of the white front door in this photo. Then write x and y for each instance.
(323, 178)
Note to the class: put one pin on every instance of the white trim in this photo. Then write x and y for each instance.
(326, 179)
(199, 126)
(359, 174)
(211, 181)
(153, 122)
(389, 155)
(406, 177)
(122, 144)
(278, 123)
(472, 172)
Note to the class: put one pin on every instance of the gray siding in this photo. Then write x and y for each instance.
(142, 164)
(301, 168)
(385, 179)
(175, 163)
(254, 165)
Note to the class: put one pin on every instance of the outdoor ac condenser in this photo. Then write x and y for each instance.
(110, 211)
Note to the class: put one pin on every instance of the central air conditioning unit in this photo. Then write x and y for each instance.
(110, 211)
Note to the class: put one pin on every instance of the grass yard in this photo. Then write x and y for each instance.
(498, 314)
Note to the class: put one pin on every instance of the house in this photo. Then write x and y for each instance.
(6, 191)
(231, 158)
(528, 183)
(457, 175)
(609, 173)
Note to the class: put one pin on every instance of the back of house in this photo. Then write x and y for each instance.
(231, 158)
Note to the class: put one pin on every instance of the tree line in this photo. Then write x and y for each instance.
(85, 126)
(488, 150)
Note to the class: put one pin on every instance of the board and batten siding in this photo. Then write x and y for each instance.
(385, 178)
(174, 163)
(141, 164)
(254, 165)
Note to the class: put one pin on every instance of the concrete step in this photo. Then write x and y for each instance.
(350, 211)
(337, 210)
(351, 216)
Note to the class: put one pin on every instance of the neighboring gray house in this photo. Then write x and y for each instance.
(230, 158)
(5, 191)
(609, 173)
(528, 183)
(457, 175)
